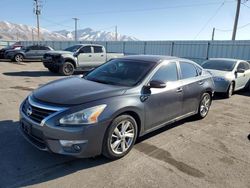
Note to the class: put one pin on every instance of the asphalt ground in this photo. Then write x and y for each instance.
(213, 152)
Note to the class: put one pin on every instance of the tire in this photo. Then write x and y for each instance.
(230, 90)
(67, 69)
(116, 144)
(54, 69)
(204, 106)
(18, 58)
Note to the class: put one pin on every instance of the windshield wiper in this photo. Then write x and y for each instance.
(102, 81)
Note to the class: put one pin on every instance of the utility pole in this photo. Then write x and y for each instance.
(116, 34)
(236, 19)
(76, 19)
(32, 35)
(213, 33)
(37, 11)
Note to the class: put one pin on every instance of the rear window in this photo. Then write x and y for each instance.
(98, 49)
(222, 65)
(188, 70)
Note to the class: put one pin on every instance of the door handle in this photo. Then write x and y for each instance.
(90, 55)
(179, 90)
(201, 82)
(101, 55)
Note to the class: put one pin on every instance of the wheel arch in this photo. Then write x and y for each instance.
(71, 61)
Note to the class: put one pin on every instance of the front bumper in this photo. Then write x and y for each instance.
(82, 141)
(221, 86)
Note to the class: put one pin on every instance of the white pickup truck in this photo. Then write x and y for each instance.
(80, 56)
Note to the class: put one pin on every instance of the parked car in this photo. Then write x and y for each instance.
(80, 56)
(30, 52)
(229, 74)
(12, 47)
(106, 110)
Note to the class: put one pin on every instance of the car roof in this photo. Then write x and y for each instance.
(152, 58)
(226, 59)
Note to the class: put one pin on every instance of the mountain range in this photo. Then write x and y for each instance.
(12, 31)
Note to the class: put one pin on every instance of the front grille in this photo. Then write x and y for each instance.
(35, 113)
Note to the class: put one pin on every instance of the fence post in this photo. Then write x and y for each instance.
(144, 47)
(172, 48)
(208, 48)
(123, 47)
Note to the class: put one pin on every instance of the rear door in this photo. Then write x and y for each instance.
(99, 55)
(85, 57)
(165, 104)
(242, 78)
(30, 52)
(192, 87)
(41, 50)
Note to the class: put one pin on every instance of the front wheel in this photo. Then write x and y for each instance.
(120, 137)
(230, 90)
(204, 105)
(67, 69)
(18, 58)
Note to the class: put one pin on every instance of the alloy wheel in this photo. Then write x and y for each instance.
(205, 105)
(122, 137)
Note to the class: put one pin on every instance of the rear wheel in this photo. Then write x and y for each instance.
(120, 137)
(204, 105)
(18, 58)
(230, 90)
(67, 69)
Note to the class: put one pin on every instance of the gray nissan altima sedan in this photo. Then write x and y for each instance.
(229, 74)
(105, 111)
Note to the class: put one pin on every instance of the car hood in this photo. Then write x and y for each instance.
(59, 52)
(218, 73)
(76, 90)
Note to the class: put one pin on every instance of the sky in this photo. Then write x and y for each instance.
(143, 19)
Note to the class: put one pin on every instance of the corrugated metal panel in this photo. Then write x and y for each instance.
(158, 47)
(115, 46)
(134, 47)
(195, 50)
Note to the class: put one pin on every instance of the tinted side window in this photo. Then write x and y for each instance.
(32, 48)
(199, 70)
(43, 48)
(98, 49)
(247, 66)
(86, 49)
(166, 73)
(188, 70)
(241, 66)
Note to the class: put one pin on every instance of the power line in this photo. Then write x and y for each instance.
(210, 19)
(151, 9)
(229, 30)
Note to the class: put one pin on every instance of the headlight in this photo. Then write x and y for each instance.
(219, 79)
(86, 116)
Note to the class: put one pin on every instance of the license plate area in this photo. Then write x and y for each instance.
(27, 128)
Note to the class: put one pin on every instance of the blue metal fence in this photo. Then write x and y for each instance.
(195, 50)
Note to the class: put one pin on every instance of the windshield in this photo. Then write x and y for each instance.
(121, 72)
(222, 65)
(73, 48)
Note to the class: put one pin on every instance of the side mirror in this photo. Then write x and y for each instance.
(240, 71)
(157, 84)
(76, 54)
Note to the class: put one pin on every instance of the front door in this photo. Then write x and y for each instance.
(85, 57)
(192, 87)
(163, 105)
(242, 78)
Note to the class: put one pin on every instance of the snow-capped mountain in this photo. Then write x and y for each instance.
(89, 34)
(12, 31)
